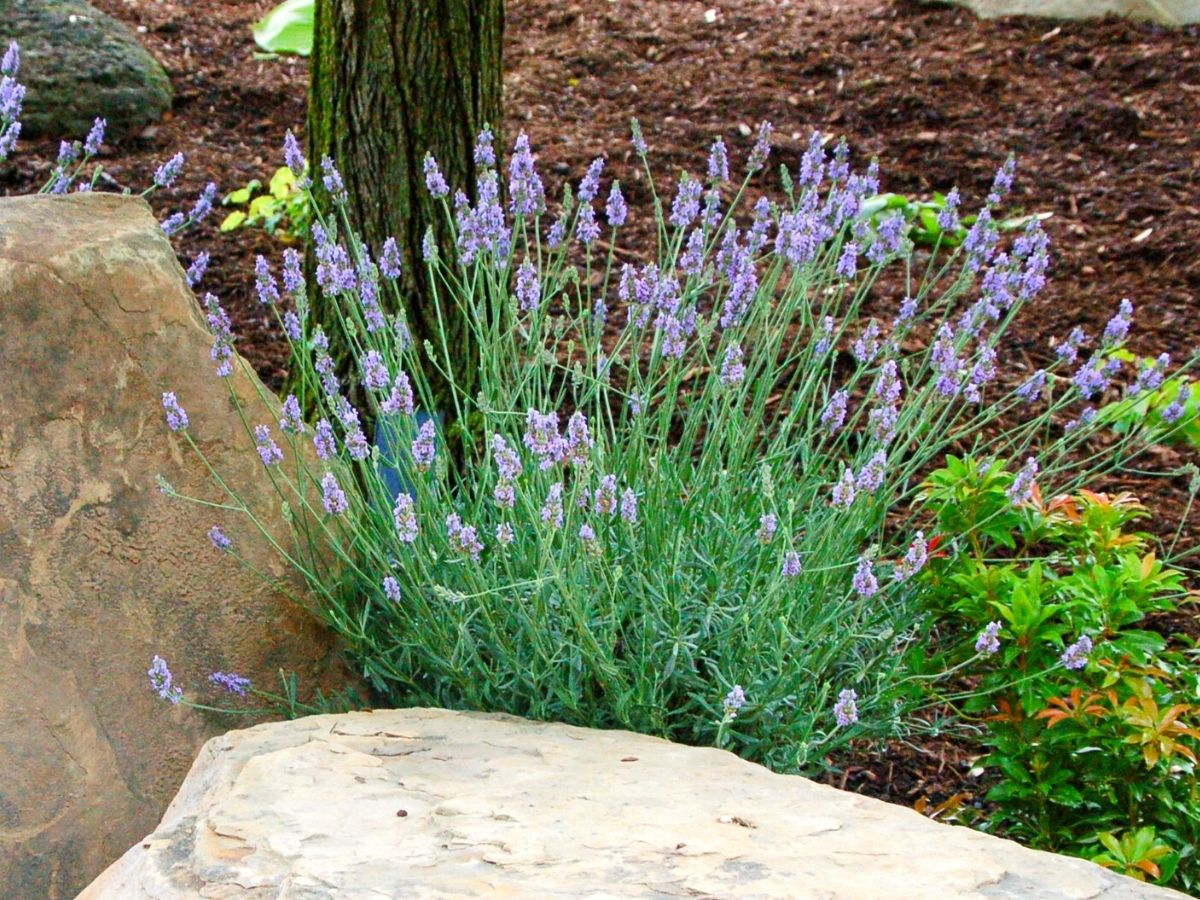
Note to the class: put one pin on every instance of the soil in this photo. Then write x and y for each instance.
(1102, 117)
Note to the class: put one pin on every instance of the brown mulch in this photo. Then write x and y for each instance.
(1102, 116)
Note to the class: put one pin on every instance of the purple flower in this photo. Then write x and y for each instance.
(847, 264)
(587, 533)
(846, 708)
(870, 477)
(843, 489)
(616, 210)
(404, 514)
(947, 218)
(1091, 378)
(552, 509)
(400, 400)
(866, 345)
(1033, 386)
(504, 533)
(589, 187)
(10, 63)
(1150, 375)
(196, 270)
(1076, 655)
(332, 495)
(629, 506)
(165, 175)
(686, 205)
(834, 414)
(1117, 328)
(324, 441)
(914, 558)
(718, 161)
(218, 538)
(331, 178)
(234, 684)
(463, 538)
(293, 272)
(1003, 182)
(586, 227)
(826, 340)
(980, 242)
(527, 194)
(865, 583)
(391, 589)
(264, 282)
(988, 641)
(768, 524)
(375, 373)
(761, 149)
(692, 259)
(95, 137)
(605, 498)
(505, 494)
(791, 564)
(424, 446)
(1174, 412)
(177, 419)
(222, 330)
(171, 224)
(508, 463)
(389, 259)
(542, 438)
(1021, 490)
(636, 138)
(292, 156)
(434, 181)
(429, 247)
(204, 204)
(558, 231)
(161, 681)
(485, 153)
(734, 700)
(732, 368)
(268, 450)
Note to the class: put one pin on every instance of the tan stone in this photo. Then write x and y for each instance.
(1165, 12)
(430, 803)
(99, 571)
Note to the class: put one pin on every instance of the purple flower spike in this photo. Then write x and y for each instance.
(391, 589)
(988, 641)
(485, 153)
(1076, 655)
(292, 156)
(734, 700)
(234, 684)
(718, 162)
(400, 400)
(177, 419)
(865, 583)
(589, 187)
(434, 181)
(292, 421)
(268, 450)
(791, 564)
(733, 370)
(424, 446)
(195, 272)
(761, 149)
(218, 538)
(10, 64)
(165, 175)
(324, 441)
(95, 137)
(629, 506)
(389, 259)
(162, 683)
(404, 514)
(616, 210)
(768, 524)
(332, 496)
(846, 708)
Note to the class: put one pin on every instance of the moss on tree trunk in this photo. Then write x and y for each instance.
(391, 80)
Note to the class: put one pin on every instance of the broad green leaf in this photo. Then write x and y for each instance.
(288, 28)
(233, 220)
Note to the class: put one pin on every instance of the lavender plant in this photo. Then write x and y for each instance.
(672, 516)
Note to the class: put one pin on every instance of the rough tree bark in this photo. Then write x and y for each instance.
(391, 80)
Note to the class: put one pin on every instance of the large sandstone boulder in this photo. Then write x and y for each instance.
(1166, 12)
(429, 803)
(78, 64)
(98, 571)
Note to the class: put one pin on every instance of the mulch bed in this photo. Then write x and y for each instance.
(1102, 117)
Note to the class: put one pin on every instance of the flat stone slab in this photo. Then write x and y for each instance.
(1165, 12)
(430, 803)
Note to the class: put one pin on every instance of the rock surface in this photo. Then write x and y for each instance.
(430, 803)
(1166, 12)
(77, 64)
(99, 571)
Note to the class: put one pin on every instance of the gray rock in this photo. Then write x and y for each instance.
(98, 571)
(430, 803)
(1166, 12)
(77, 64)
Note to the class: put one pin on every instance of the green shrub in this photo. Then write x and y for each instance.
(1089, 719)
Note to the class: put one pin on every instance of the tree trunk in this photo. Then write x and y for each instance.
(392, 80)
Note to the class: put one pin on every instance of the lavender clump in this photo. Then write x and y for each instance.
(988, 641)
(1076, 655)
(845, 711)
(228, 681)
